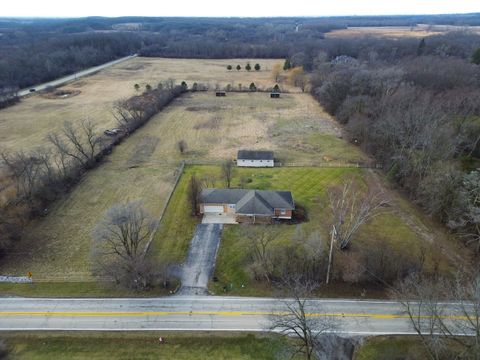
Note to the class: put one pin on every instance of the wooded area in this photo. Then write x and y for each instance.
(415, 107)
(38, 50)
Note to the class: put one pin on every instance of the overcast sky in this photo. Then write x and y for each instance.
(66, 8)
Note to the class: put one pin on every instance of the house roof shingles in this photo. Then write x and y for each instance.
(254, 155)
(258, 202)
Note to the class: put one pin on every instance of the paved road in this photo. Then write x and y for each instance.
(198, 268)
(75, 76)
(355, 317)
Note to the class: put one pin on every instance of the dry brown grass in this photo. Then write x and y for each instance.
(57, 246)
(26, 125)
(418, 31)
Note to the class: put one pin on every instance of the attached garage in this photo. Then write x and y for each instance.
(213, 209)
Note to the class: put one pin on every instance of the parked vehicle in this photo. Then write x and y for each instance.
(112, 132)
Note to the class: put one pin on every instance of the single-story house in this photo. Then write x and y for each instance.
(255, 158)
(220, 93)
(248, 206)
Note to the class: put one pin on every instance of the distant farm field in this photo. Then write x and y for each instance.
(418, 31)
(26, 125)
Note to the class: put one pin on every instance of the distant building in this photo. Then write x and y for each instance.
(247, 206)
(220, 93)
(274, 95)
(255, 158)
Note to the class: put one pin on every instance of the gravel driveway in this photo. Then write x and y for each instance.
(197, 270)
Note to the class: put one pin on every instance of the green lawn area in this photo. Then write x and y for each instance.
(144, 345)
(391, 348)
(77, 289)
(308, 185)
(177, 226)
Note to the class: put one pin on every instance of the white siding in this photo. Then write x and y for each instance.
(255, 163)
(212, 209)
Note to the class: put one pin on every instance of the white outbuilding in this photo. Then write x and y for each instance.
(255, 158)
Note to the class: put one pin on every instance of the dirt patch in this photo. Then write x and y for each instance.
(204, 108)
(135, 67)
(78, 84)
(212, 124)
(143, 150)
(61, 94)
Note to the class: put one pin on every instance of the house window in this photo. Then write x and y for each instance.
(231, 206)
(283, 212)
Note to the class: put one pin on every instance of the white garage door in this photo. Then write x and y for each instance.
(213, 209)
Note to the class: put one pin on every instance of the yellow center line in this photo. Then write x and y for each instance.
(208, 313)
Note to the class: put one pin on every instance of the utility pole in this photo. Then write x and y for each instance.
(330, 254)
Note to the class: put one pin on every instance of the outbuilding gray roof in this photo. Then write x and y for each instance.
(258, 202)
(254, 155)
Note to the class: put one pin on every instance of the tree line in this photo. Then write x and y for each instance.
(40, 50)
(418, 115)
(33, 180)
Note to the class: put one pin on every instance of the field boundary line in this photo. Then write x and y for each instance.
(154, 232)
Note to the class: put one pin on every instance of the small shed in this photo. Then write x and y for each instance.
(275, 95)
(255, 158)
(220, 93)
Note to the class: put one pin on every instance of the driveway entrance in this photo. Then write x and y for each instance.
(218, 218)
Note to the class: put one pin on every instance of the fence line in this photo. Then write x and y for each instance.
(154, 232)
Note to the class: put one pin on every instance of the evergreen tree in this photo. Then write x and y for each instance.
(287, 65)
(421, 47)
(248, 67)
(257, 67)
(476, 57)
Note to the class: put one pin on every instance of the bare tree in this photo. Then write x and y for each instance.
(351, 209)
(227, 172)
(182, 146)
(33, 172)
(127, 115)
(440, 324)
(120, 240)
(419, 298)
(466, 329)
(79, 143)
(296, 318)
(260, 238)
(194, 190)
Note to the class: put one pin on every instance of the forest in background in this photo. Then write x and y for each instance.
(33, 51)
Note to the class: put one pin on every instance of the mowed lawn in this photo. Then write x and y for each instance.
(145, 345)
(178, 225)
(26, 125)
(308, 186)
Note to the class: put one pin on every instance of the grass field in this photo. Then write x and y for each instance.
(144, 166)
(25, 125)
(144, 345)
(78, 289)
(391, 347)
(418, 31)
